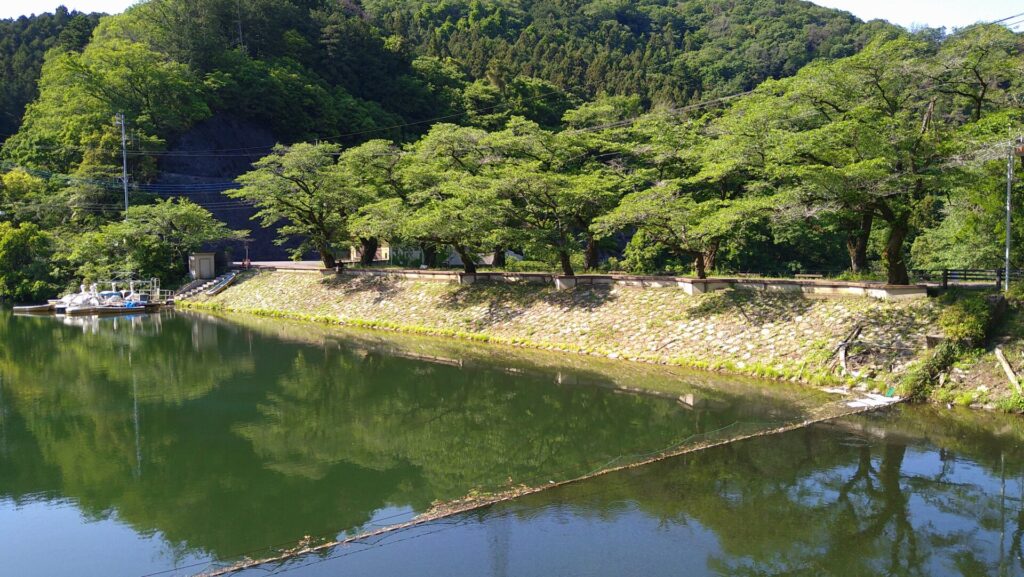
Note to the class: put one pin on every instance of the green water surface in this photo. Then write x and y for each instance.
(169, 444)
(904, 492)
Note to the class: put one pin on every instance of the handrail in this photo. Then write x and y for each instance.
(220, 285)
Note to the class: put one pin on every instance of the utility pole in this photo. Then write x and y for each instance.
(124, 162)
(1016, 149)
(241, 39)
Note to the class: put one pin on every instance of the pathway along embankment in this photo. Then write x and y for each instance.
(757, 333)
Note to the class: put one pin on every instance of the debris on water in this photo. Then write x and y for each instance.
(872, 400)
(837, 391)
(478, 499)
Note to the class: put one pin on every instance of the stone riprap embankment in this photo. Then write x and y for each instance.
(774, 335)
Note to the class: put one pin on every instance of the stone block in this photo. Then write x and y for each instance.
(564, 282)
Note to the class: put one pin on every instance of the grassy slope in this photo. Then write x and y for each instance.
(758, 334)
(977, 378)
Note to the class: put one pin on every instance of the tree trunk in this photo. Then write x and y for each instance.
(566, 262)
(369, 251)
(710, 255)
(590, 256)
(698, 265)
(857, 243)
(895, 264)
(499, 257)
(468, 260)
(429, 255)
(327, 257)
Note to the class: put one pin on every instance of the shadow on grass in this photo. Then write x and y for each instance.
(757, 309)
(383, 288)
(505, 302)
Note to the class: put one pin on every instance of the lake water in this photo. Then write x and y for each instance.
(905, 492)
(171, 444)
(135, 445)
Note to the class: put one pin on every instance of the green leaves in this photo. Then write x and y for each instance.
(23, 44)
(299, 186)
(875, 148)
(81, 93)
(153, 241)
(25, 268)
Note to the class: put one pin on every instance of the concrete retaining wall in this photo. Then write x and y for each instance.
(691, 286)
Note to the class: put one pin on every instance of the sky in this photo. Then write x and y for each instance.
(15, 8)
(935, 13)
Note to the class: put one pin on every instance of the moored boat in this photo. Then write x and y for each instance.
(34, 309)
(139, 297)
(104, 310)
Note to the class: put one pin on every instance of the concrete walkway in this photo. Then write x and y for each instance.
(283, 264)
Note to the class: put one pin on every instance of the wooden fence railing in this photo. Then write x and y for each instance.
(969, 276)
(947, 277)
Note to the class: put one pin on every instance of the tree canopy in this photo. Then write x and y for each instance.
(694, 137)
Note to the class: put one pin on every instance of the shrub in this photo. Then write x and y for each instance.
(1016, 292)
(870, 275)
(966, 321)
(611, 264)
(917, 382)
(527, 266)
(1013, 404)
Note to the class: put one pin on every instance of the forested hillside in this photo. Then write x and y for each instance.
(666, 52)
(769, 135)
(322, 69)
(23, 44)
(889, 159)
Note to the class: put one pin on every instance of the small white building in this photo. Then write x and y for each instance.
(355, 253)
(202, 265)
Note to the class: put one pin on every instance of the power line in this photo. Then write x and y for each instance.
(1000, 21)
(113, 183)
(202, 189)
(439, 118)
(201, 153)
(243, 152)
(679, 110)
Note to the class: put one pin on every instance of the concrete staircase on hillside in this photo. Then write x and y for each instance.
(203, 285)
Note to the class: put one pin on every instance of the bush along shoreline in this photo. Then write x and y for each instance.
(860, 343)
(979, 361)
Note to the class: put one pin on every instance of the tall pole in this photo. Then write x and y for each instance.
(1009, 206)
(241, 40)
(124, 162)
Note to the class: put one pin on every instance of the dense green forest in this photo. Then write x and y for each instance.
(882, 153)
(23, 45)
(665, 52)
(698, 136)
